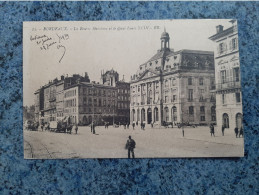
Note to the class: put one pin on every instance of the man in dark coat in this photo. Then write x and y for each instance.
(93, 128)
(212, 132)
(130, 145)
(76, 128)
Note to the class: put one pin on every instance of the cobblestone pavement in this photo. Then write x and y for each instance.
(150, 143)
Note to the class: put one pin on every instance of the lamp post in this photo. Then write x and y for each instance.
(93, 109)
(113, 113)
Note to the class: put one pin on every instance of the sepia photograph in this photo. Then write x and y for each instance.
(132, 89)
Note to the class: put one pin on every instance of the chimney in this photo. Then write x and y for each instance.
(219, 28)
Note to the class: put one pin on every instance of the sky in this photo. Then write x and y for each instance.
(52, 49)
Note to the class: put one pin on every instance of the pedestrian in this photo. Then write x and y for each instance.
(133, 125)
(152, 124)
(241, 132)
(223, 129)
(124, 125)
(130, 146)
(236, 131)
(93, 128)
(212, 132)
(76, 128)
(42, 126)
(144, 126)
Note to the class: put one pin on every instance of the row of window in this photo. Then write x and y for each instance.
(99, 110)
(237, 97)
(201, 81)
(166, 84)
(122, 97)
(98, 102)
(99, 92)
(230, 75)
(70, 110)
(70, 103)
(233, 44)
(125, 91)
(123, 105)
(202, 110)
(60, 114)
(70, 93)
(136, 116)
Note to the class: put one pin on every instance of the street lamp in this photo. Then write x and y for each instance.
(113, 112)
(93, 105)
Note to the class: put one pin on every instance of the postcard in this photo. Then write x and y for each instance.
(132, 89)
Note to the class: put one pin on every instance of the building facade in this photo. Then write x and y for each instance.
(227, 75)
(96, 103)
(84, 101)
(174, 87)
(123, 102)
(49, 99)
(111, 78)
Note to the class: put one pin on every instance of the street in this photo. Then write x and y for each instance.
(150, 143)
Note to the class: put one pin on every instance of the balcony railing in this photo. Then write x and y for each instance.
(202, 100)
(228, 85)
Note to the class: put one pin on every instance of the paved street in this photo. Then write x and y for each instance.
(150, 143)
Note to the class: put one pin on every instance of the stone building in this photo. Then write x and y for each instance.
(49, 99)
(82, 101)
(174, 87)
(123, 102)
(227, 76)
(111, 78)
(38, 102)
(96, 102)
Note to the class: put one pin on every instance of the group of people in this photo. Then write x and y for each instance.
(239, 132)
(142, 125)
(126, 125)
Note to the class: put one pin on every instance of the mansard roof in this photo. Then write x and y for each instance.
(160, 54)
(222, 34)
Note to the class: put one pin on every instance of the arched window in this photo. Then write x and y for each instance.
(202, 109)
(156, 117)
(133, 115)
(143, 114)
(166, 114)
(174, 114)
(138, 115)
(84, 120)
(239, 119)
(225, 120)
(213, 113)
(191, 110)
(149, 115)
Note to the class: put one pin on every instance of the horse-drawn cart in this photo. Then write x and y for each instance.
(63, 125)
